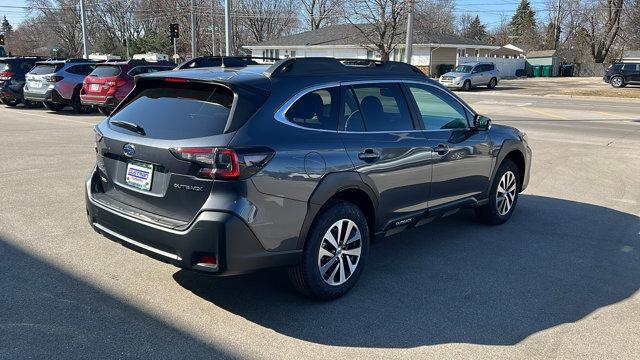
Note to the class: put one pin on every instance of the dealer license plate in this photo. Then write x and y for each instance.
(139, 175)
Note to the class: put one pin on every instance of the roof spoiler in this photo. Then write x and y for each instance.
(324, 65)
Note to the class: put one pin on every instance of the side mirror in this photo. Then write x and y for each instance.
(481, 123)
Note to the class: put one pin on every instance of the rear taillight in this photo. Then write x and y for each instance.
(224, 163)
(6, 75)
(53, 78)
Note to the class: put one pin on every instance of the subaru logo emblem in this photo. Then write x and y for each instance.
(129, 149)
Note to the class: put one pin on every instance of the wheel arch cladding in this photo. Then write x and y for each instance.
(347, 186)
(518, 158)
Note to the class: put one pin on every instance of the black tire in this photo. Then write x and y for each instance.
(53, 106)
(306, 276)
(11, 103)
(617, 82)
(77, 106)
(491, 213)
(104, 111)
(466, 86)
(492, 83)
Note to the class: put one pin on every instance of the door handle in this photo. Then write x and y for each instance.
(441, 149)
(369, 155)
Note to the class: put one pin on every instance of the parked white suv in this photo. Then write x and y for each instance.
(466, 76)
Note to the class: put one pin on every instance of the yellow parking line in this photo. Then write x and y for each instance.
(541, 112)
(615, 116)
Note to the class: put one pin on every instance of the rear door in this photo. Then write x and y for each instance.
(462, 159)
(138, 167)
(387, 150)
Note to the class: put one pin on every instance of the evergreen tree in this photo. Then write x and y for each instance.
(523, 27)
(6, 28)
(476, 30)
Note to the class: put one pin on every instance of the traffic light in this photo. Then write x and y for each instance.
(1, 39)
(174, 31)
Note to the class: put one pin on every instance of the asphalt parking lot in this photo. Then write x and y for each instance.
(559, 280)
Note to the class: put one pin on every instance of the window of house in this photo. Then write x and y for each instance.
(293, 53)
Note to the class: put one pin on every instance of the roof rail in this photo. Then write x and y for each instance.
(326, 65)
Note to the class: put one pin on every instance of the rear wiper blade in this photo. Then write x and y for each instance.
(129, 126)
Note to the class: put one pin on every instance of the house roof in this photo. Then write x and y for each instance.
(349, 34)
(541, 54)
(631, 54)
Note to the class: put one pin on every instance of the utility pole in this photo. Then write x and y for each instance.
(194, 44)
(409, 43)
(213, 33)
(126, 41)
(556, 32)
(227, 27)
(85, 41)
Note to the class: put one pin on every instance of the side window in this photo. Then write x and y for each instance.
(136, 71)
(352, 120)
(316, 110)
(437, 109)
(383, 107)
(25, 66)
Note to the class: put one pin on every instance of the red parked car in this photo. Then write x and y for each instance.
(111, 81)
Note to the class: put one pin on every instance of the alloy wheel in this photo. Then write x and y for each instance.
(506, 193)
(616, 81)
(339, 252)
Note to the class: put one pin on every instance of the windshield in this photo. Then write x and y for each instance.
(178, 111)
(463, 68)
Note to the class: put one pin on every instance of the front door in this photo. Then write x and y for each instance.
(462, 159)
(387, 150)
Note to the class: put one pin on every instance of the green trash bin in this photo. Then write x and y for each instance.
(537, 70)
(547, 70)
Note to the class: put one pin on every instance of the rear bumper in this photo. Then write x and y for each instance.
(218, 233)
(49, 96)
(101, 101)
(10, 92)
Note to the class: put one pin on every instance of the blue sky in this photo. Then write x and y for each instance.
(489, 11)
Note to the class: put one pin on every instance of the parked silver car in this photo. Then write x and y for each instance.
(57, 83)
(466, 76)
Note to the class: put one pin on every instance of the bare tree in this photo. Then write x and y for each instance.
(62, 19)
(435, 17)
(603, 27)
(267, 19)
(319, 13)
(379, 22)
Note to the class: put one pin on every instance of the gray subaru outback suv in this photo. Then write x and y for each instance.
(302, 164)
(57, 83)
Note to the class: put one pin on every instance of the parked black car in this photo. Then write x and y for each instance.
(303, 164)
(12, 79)
(621, 74)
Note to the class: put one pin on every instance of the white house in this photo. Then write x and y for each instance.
(631, 56)
(346, 41)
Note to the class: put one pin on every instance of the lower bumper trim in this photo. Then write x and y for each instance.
(135, 243)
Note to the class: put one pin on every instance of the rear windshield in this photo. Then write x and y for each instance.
(178, 111)
(43, 69)
(104, 71)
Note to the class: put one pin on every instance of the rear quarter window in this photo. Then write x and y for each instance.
(178, 111)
